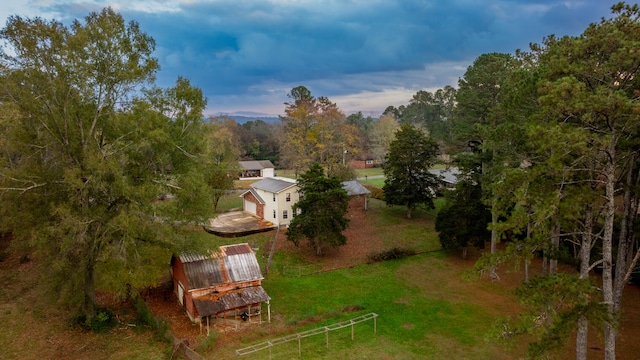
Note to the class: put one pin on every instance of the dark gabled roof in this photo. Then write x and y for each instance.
(255, 194)
(274, 185)
(230, 264)
(256, 164)
(213, 303)
(354, 188)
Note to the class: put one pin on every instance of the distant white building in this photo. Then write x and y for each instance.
(256, 169)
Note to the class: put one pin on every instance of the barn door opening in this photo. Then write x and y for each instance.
(181, 294)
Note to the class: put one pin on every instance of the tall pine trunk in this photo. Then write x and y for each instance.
(610, 331)
(494, 239)
(89, 306)
(624, 261)
(585, 263)
(555, 246)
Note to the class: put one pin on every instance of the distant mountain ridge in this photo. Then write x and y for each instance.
(241, 119)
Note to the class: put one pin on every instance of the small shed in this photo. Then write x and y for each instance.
(256, 169)
(222, 285)
(358, 194)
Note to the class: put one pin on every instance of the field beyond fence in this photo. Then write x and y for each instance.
(268, 345)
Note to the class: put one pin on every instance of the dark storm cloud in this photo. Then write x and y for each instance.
(248, 54)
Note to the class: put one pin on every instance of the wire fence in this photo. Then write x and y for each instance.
(297, 337)
(300, 270)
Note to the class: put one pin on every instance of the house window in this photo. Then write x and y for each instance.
(274, 197)
(285, 214)
(274, 214)
(369, 162)
(288, 197)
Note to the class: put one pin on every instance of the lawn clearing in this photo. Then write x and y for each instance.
(377, 182)
(412, 323)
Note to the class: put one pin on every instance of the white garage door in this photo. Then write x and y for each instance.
(250, 207)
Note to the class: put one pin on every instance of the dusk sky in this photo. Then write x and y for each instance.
(364, 55)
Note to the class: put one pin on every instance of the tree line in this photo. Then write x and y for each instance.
(552, 151)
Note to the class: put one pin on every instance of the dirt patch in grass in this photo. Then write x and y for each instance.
(362, 240)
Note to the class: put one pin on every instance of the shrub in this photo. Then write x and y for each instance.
(104, 321)
(376, 192)
(391, 254)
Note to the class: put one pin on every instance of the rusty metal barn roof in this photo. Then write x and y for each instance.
(242, 267)
(231, 263)
(187, 258)
(236, 249)
(203, 273)
(213, 303)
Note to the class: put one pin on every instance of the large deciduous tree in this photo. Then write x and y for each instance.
(315, 131)
(260, 140)
(220, 156)
(431, 111)
(382, 134)
(84, 160)
(320, 212)
(406, 168)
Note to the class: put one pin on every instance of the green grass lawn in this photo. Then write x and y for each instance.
(424, 311)
(378, 182)
(412, 323)
(230, 202)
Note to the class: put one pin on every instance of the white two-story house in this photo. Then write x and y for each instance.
(272, 199)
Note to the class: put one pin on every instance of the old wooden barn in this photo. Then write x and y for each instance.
(221, 286)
